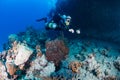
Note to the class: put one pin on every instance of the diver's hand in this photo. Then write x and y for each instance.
(71, 30)
(78, 31)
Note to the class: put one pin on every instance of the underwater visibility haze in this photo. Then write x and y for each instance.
(16, 15)
(59, 39)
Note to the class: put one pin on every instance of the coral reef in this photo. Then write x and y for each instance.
(90, 62)
(16, 58)
(3, 73)
(56, 50)
(117, 63)
(104, 51)
(32, 37)
(40, 68)
(95, 66)
(28, 56)
(74, 66)
(23, 54)
(110, 78)
(12, 38)
(38, 50)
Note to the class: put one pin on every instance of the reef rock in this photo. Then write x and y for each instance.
(40, 68)
(117, 63)
(110, 78)
(23, 55)
(91, 63)
(104, 51)
(12, 38)
(3, 73)
(3, 55)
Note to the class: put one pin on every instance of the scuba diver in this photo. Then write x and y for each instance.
(58, 22)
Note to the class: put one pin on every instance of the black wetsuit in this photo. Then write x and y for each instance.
(60, 23)
(56, 19)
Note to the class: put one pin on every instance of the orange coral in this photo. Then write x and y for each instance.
(74, 66)
(38, 50)
(11, 69)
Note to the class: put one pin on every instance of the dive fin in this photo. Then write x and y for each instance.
(42, 19)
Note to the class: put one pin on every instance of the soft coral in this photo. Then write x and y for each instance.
(56, 50)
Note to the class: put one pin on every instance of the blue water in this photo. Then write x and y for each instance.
(16, 15)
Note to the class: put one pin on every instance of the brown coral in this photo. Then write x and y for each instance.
(52, 78)
(11, 69)
(110, 78)
(74, 66)
(56, 50)
(38, 50)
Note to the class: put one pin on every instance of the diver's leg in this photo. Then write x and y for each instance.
(42, 19)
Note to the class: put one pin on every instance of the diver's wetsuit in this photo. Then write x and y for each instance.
(59, 22)
(57, 19)
(42, 19)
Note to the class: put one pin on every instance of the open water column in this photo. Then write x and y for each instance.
(16, 15)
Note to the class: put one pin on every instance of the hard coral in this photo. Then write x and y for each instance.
(3, 73)
(38, 50)
(91, 62)
(11, 69)
(117, 63)
(110, 78)
(23, 55)
(75, 66)
(12, 38)
(56, 50)
(40, 68)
